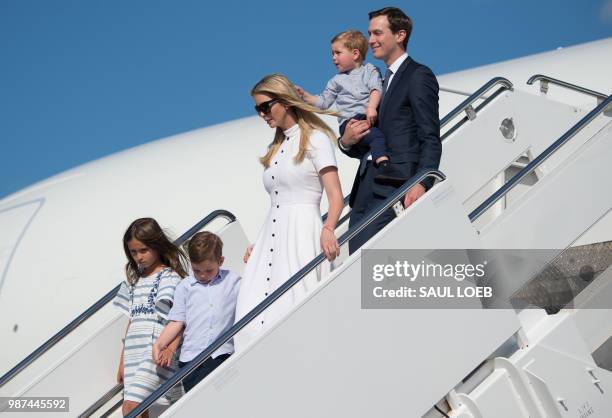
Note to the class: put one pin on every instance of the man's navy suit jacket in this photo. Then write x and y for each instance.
(408, 116)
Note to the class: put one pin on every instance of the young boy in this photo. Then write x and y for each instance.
(356, 91)
(204, 307)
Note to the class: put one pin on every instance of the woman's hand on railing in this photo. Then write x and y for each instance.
(329, 243)
(247, 253)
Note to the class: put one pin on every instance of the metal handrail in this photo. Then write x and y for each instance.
(466, 105)
(539, 159)
(469, 101)
(346, 201)
(219, 213)
(103, 400)
(100, 303)
(343, 219)
(112, 409)
(455, 91)
(544, 80)
(257, 310)
(480, 93)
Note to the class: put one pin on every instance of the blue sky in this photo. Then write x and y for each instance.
(83, 79)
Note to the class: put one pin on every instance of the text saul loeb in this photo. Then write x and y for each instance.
(434, 292)
(437, 273)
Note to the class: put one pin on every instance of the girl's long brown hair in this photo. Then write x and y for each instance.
(148, 231)
(277, 86)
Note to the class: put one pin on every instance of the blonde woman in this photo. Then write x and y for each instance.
(298, 166)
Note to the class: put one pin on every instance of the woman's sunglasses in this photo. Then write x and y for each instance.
(265, 107)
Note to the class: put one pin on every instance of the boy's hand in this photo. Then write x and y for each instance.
(371, 115)
(247, 254)
(304, 95)
(165, 357)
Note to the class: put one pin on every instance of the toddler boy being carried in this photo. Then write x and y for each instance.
(356, 92)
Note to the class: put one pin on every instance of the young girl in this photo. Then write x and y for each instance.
(155, 266)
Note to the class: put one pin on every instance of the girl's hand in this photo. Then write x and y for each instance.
(156, 353)
(168, 355)
(165, 357)
(329, 243)
(120, 372)
(248, 252)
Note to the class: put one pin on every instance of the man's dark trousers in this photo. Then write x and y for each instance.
(365, 201)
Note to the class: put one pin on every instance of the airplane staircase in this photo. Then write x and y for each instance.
(507, 186)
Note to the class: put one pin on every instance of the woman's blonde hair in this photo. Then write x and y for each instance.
(277, 86)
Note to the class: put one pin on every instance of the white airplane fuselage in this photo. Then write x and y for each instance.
(60, 247)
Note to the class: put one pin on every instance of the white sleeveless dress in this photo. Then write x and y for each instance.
(290, 237)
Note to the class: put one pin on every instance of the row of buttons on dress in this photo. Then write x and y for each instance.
(274, 221)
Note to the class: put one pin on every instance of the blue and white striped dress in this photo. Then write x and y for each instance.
(147, 304)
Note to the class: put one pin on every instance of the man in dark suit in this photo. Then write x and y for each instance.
(408, 117)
